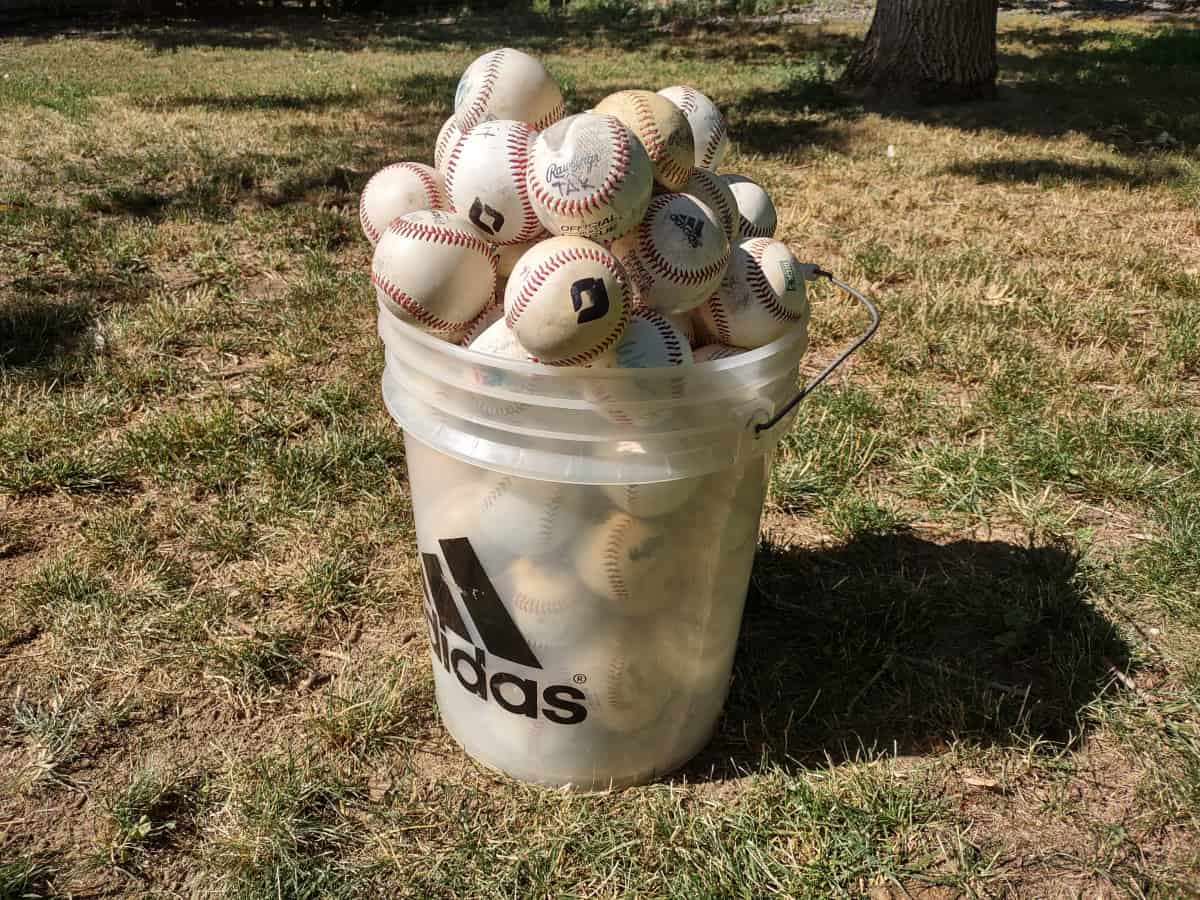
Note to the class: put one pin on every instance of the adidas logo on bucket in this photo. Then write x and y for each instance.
(558, 703)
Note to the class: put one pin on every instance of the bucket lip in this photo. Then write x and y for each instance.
(465, 355)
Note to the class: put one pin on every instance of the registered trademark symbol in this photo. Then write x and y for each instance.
(579, 679)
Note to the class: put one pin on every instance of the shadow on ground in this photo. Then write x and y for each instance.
(34, 331)
(1047, 172)
(894, 644)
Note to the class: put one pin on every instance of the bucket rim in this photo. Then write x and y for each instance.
(777, 347)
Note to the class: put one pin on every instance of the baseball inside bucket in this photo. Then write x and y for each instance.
(586, 538)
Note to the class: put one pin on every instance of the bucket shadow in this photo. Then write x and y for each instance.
(892, 644)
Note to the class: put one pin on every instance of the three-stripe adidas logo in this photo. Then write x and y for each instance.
(512, 691)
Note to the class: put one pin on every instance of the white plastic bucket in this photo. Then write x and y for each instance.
(586, 540)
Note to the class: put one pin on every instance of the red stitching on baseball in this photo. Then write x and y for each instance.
(411, 306)
(440, 148)
(490, 73)
(517, 146)
(663, 265)
(432, 191)
(534, 281)
(551, 117)
(612, 557)
(577, 206)
(647, 127)
(723, 208)
(451, 165)
(714, 141)
(660, 153)
(761, 286)
(371, 231)
(666, 331)
(432, 194)
(446, 234)
(687, 102)
(717, 311)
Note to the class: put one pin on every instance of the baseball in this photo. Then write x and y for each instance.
(446, 139)
(528, 517)
(432, 269)
(507, 84)
(662, 129)
(623, 560)
(548, 604)
(485, 181)
(647, 501)
(627, 686)
(566, 301)
(760, 298)
(676, 255)
(756, 212)
(497, 339)
(651, 341)
(708, 128)
(589, 177)
(710, 352)
(711, 190)
(397, 190)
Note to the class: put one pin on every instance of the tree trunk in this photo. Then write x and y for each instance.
(930, 51)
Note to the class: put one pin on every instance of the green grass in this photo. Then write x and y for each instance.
(970, 661)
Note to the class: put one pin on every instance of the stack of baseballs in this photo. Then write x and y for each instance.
(542, 236)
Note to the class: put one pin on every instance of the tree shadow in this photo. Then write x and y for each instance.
(894, 644)
(1134, 91)
(1106, 8)
(34, 331)
(1055, 172)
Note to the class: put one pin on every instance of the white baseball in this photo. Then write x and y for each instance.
(446, 139)
(397, 190)
(432, 269)
(530, 518)
(623, 560)
(498, 340)
(507, 84)
(755, 209)
(485, 182)
(662, 129)
(548, 604)
(710, 352)
(566, 301)
(647, 501)
(651, 341)
(708, 128)
(589, 176)
(676, 255)
(711, 189)
(626, 686)
(760, 298)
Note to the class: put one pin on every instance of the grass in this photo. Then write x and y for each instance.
(970, 662)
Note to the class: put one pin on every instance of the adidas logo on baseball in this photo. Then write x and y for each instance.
(692, 228)
(450, 638)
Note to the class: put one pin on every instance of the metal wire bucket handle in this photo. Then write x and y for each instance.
(818, 272)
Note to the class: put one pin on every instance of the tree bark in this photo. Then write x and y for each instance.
(930, 51)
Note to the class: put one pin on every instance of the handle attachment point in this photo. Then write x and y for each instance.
(813, 272)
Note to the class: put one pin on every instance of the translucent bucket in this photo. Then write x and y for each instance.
(586, 539)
